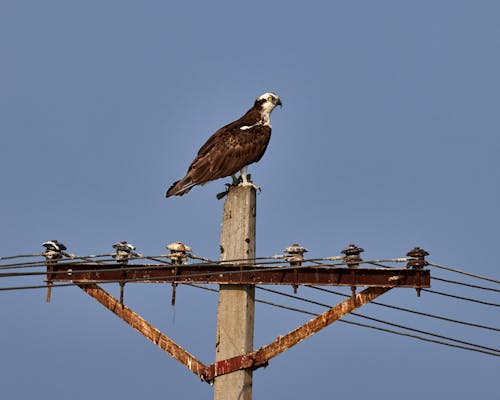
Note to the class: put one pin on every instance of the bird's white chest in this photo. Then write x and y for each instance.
(264, 121)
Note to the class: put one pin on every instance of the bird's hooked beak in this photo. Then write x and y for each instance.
(279, 103)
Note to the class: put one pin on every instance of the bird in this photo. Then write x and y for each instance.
(232, 148)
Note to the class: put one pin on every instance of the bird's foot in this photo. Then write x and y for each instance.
(251, 184)
(245, 181)
(240, 181)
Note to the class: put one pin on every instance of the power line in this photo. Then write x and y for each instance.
(461, 298)
(125, 268)
(21, 256)
(131, 267)
(321, 261)
(13, 288)
(424, 314)
(345, 321)
(379, 320)
(465, 284)
(458, 271)
(420, 338)
(253, 261)
(378, 263)
(478, 350)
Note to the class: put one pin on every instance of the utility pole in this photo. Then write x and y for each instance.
(235, 314)
(236, 274)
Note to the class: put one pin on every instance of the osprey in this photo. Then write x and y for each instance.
(232, 148)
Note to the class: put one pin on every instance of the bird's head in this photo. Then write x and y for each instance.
(267, 102)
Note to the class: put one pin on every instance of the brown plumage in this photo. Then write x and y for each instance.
(231, 148)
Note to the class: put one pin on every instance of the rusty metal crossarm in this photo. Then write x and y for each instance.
(238, 274)
(378, 280)
(261, 357)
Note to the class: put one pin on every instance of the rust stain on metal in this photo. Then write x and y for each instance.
(261, 357)
(242, 274)
(380, 280)
(145, 328)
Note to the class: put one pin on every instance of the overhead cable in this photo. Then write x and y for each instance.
(424, 314)
(458, 271)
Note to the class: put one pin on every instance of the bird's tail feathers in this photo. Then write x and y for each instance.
(180, 187)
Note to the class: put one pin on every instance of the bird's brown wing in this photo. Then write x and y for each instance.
(228, 151)
(225, 153)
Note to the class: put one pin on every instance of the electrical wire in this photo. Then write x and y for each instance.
(421, 338)
(131, 267)
(458, 271)
(377, 263)
(121, 267)
(424, 314)
(464, 284)
(359, 324)
(13, 288)
(476, 348)
(461, 297)
(126, 267)
(377, 320)
(59, 261)
(244, 261)
(21, 256)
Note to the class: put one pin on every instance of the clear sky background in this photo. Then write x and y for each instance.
(388, 138)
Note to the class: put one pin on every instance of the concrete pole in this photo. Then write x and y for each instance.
(235, 314)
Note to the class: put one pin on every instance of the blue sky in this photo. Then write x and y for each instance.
(388, 138)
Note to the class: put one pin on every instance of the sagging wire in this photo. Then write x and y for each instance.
(461, 297)
(378, 320)
(424, 314)
(464, 284)
(458, 271)
(476, 348)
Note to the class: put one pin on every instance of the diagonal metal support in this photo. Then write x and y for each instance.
(145, 328)
(261, 357)
(252, 360)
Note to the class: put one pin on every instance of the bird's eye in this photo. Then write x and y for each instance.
(270, 98)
